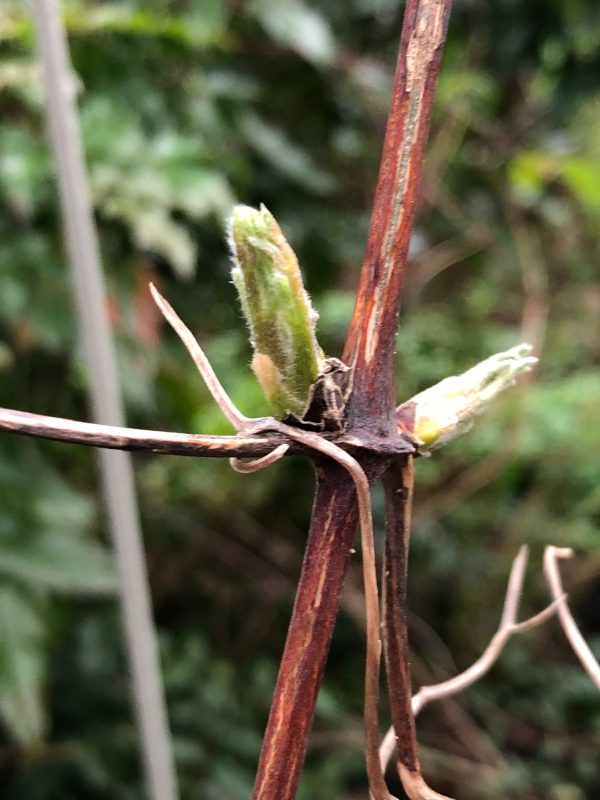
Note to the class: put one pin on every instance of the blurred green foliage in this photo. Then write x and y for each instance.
(190, 106)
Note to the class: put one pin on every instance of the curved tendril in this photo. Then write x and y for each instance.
(256, 464)
(213, 384)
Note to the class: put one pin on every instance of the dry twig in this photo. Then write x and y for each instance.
(112, 437)
(569, 626)
(508, 627)
(209, 376)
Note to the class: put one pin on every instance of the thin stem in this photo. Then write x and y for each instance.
(569, 626)
(370, 345)
(112, 437)
(398, 483)
(246, 467)
(508, 627)
(514, 588)
(213, 384)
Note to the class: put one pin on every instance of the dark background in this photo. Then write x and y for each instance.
(187, 107)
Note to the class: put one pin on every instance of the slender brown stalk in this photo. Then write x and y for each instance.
(370, 344)
(508, 627)
(115, 438)
(203, 365)
(581, 648)
(398, 483)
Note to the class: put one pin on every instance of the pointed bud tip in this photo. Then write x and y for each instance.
(287, 356)
(248, 221)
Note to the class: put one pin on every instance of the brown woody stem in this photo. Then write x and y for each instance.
(330, 539)
(371, 339)
(398, 482)
(370, 413)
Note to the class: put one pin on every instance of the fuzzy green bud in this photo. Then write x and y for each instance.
(287, 357)
(449, 408)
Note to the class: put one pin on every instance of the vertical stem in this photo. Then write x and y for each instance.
(370, 351)
(117, 475)
(330, 539)
(370, 346)
(398, 484)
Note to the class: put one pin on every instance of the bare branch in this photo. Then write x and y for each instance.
(370, 344)
(213, 384)
(116, 438)
(507, 628)
(569, 626)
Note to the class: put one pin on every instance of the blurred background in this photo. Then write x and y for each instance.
(188, 106)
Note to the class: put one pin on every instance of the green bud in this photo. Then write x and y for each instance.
(287, 357)
(447, 409)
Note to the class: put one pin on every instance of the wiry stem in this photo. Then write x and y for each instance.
(508, 627)
(569, 626)
(256, 464)
(213, 384)
(330, 540)
(113, 437)
(398, 483)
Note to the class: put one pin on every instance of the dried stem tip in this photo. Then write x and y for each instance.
(287, 357)
(447, 409)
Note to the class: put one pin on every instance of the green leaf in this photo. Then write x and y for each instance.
(22, 666)
(61, 562)
(296, 25)
(44, 538)
(285, 156)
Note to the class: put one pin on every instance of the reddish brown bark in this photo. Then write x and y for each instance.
(398, 483)
(331, 536)
(370, 346)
